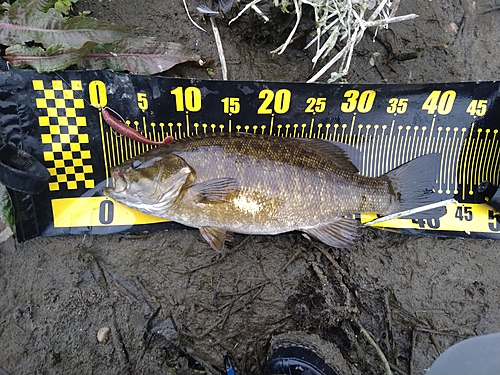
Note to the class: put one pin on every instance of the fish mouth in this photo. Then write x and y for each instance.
(119, 182)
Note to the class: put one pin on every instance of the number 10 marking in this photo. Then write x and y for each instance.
(187, 99)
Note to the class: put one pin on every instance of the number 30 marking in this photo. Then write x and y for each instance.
(362, 102)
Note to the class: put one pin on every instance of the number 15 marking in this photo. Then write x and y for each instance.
(231, 105)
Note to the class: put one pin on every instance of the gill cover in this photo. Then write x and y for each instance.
(150, 185)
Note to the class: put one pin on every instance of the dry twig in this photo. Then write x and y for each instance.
(338, 22)
(190, 18)
(379, 351)
(220, 50)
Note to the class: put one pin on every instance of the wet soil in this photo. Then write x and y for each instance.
(174, 306)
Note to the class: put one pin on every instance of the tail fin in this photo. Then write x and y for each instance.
(414, 184)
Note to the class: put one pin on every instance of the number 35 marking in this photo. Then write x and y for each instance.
(397, 105)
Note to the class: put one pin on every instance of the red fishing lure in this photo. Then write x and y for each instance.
(130, 132)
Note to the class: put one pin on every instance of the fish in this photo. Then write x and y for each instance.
(265, 185)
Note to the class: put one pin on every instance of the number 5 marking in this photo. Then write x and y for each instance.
(142, 101)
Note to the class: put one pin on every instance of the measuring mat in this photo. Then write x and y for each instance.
(54, 117)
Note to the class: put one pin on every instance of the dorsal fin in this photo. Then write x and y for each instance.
(345, 156)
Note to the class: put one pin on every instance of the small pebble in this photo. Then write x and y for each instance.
(102, 334)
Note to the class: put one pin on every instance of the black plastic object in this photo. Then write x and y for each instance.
(21, 172)
(488, 193)
(4, 64)
(55, 118)
(296, 360)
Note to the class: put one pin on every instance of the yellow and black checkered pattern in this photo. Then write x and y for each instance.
(70, 152)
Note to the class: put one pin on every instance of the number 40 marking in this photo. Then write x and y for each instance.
(440, 102)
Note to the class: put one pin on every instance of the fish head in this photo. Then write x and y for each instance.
(150, 184)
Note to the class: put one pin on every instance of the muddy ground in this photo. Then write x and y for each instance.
(415, 295)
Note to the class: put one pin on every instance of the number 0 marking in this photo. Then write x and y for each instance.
(97, 93)
(106, 212)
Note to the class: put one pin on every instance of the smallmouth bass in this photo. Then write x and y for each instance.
(254, 184)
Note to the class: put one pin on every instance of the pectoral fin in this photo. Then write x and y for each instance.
(216, 237)
(341, 232)
(215, 190)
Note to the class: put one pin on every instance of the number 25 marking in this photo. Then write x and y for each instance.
(315, 105)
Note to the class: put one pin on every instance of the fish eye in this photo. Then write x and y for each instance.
(136, 164)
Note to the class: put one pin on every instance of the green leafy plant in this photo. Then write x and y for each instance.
(63, 6)
(60, 6)
(37, 35)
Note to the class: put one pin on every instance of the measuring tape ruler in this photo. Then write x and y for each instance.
(388, 124)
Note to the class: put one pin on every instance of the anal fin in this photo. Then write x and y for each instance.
(216, 237)
(340, 232)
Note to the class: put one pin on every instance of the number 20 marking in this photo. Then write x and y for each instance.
(280, 101)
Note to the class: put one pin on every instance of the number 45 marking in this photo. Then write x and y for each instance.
(477, 107)
(464, 213)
